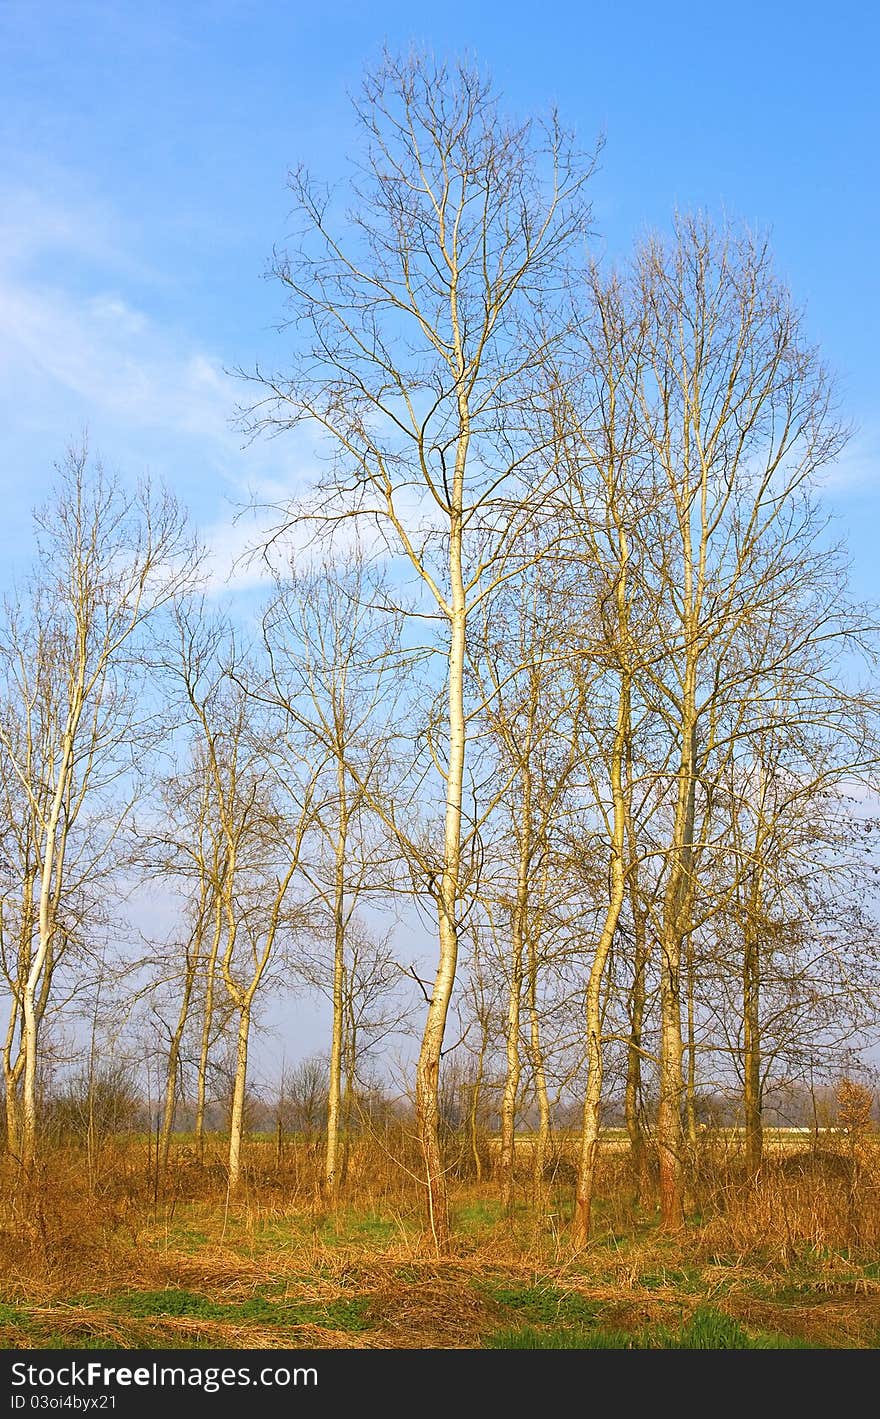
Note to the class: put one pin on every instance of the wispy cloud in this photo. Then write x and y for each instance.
(77, 351)
(858, 468)
(67, 328)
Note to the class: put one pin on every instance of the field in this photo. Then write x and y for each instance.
(98, 1252)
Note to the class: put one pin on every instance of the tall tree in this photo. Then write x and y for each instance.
(332, 671)
(607, 495)
(419, 329)
(184, 852)
(261, 783)
(107, 561)
(532, 722)
(739, 417)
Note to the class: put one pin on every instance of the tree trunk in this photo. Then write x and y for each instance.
(510, 1095)
(29, 1087)
(334, 1091)
(207, 1023)
(633, 1092)
(581, 1223)
(675, 927)
(428, 1068)
(669, 1130)
(427, 1084)
(507, 1160)
(752, 1107)
(11, 1077)
(620, 819)
(13, 1118)
(12, 1068)
(473, 1116)
(690, 1098)
(236, 1117)
(539, 1074)
(53, 856)
(347, 1107)
(173, 1061)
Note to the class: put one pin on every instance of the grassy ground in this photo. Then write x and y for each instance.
(107, 1266)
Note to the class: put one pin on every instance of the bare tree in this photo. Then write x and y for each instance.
(738, 414)
(418, 333)
(261, 786)
(608, 492)
(184, 852)
(107, 562)
(531, 714)
(332, 672)
(797, 919)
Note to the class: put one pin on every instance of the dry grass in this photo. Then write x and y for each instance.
(122, 1263)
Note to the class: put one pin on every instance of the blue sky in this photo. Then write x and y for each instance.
(143, 154)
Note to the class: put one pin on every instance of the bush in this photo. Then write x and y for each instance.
(95, 1104)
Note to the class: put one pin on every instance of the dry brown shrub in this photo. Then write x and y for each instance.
(855, 1105)
(55, 1224)
(822, 1200)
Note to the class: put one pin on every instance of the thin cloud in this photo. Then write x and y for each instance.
(77, 352)
(858, 468)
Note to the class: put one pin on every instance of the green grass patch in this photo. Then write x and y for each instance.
(55, 1341)
(364, 1229)
(345, 1313)
(710, 1329)
(187, 1239)
(546, 1304)
(367, 1228)
(477, 1216)
(706, 1329)
(570, 1338)
(143, 1304)
(685, 1281)
(814, 1278)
